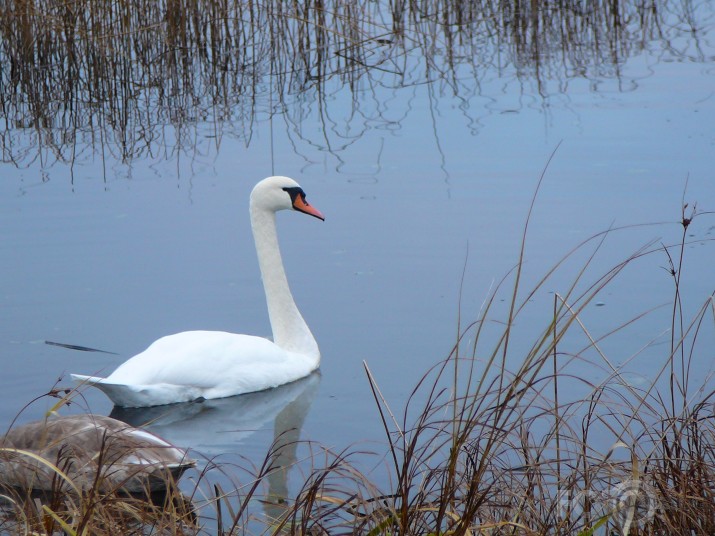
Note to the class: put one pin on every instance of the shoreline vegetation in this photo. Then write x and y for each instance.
(478, 447)
(96, 77)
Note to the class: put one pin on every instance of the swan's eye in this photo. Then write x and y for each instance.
(295, 192)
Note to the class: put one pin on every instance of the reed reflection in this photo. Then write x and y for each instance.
(90, 78)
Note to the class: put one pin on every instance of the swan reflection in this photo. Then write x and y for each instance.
(220, 426)
(217, 426)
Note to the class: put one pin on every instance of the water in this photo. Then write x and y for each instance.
(417, 185)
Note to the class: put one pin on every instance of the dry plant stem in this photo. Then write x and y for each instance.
(677, 316)
(519, 264)
(380, 401)
(557, 423)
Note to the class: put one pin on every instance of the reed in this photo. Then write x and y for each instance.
(484, 448)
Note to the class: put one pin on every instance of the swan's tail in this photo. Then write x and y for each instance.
(127, 396)
(87, 380)
(140, 396)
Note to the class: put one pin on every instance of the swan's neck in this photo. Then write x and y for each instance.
(290, 331)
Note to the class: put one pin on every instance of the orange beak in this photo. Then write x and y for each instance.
(301, 205)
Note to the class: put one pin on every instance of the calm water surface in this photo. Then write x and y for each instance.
(417, 184)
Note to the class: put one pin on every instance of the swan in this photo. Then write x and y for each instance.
(195, 365)
(80, 446)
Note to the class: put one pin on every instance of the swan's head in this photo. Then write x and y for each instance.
(281, 193)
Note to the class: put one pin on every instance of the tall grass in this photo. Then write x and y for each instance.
(481, 447)
(485, 448)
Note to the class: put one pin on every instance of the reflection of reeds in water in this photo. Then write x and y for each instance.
(112, 72)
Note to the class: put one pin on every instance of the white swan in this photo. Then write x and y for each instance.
(215, 364)
(91, 450)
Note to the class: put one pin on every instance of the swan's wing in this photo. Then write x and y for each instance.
(206, 359)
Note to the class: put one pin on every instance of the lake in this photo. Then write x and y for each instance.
(126, 219)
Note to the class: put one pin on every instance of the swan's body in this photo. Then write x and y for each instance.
(215, 364)
(81, 445)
